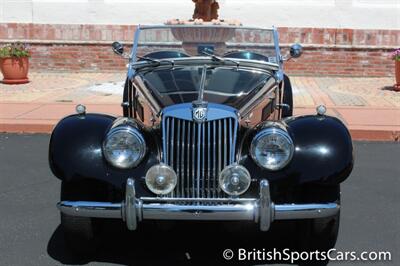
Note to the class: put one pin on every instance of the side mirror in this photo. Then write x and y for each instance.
(117, 48)
(296, 50)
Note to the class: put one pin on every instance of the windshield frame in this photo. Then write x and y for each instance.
(135, 65)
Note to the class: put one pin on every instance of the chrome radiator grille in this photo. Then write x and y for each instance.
(198, 152)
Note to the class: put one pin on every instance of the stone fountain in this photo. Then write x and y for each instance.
(205, 15)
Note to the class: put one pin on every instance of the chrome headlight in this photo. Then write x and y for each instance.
(124, 147)
(272, 148)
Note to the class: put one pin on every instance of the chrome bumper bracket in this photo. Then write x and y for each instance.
(261, 210)
(265, 210)
(130, 205)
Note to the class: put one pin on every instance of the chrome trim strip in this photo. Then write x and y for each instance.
(199, 126)
(219, 156)
(187, 187)
(171, 147)
(183, 171)
(231, 143)
(239, 212)
(193, 160)
(167, 139)
(214, 159)
(225, 144)
(208, 161)
(178, 157)
(91, 209)
(203, 165)
(202, 84)
(305, 211)
(171, 160)
(199, 200)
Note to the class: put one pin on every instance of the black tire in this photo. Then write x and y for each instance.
(319, 234)
(287, 97)
(79, 232)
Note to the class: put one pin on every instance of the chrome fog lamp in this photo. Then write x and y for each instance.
(272, 148)
(161, 179)
(124, 147)
(234, 180)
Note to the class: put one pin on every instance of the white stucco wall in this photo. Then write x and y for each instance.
(367, 14)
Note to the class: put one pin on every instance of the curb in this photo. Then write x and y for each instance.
(47, 127)
(375, 135)
(22, 128)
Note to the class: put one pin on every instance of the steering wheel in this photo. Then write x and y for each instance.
(246, 55)
(165, 54)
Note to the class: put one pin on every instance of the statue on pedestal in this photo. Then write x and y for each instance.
(206, 10)
(205, 13)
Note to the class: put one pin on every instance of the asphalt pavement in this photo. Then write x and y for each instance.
(29, 221)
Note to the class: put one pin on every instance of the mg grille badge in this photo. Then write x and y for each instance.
(199, 112)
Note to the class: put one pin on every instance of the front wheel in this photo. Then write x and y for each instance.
(319, 234)
(79, 232)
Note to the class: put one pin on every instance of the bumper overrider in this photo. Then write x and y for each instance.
(260, 210)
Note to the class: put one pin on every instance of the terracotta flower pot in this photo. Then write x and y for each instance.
(15, 70)
(397, 71)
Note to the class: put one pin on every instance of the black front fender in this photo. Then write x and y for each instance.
(323, 152)
(323, 149)
(75, 146)
(75, 151)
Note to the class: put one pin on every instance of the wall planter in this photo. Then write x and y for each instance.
(14, 63)
(396, 57)
(397, 70)
(15, 70)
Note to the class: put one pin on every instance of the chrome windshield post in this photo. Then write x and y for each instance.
(279, 58)
(132, 57)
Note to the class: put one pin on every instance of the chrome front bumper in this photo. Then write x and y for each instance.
(261, 210)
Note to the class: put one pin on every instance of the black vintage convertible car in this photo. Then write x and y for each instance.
(207, 133)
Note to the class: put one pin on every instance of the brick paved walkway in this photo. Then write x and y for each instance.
(367, 105)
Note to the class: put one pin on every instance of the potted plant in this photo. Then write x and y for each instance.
(396, 57)
(14, 63)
